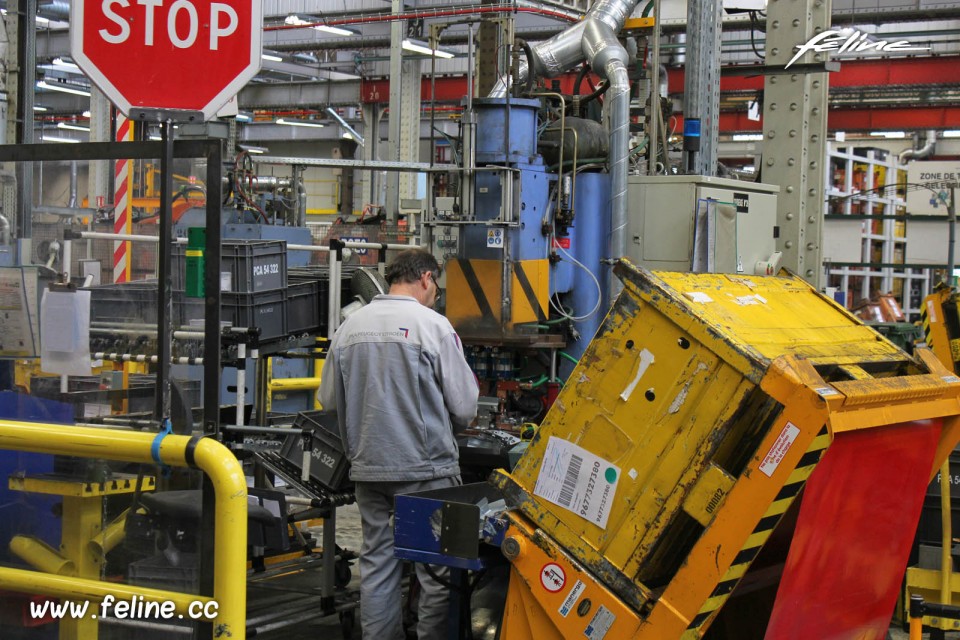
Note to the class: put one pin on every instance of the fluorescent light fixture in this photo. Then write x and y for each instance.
(72, 127)
(420, 47)
(252, 148)
(243, 117)
(76, 90)
(951, 133)
(271, 57)
(350, 132)
(47, 138)
(299, 123)
(747, 137)
(37, 107)
(313, 24)
(339, 31)
(42, 20)
(60, 62)
(154, 136)
(893, 135)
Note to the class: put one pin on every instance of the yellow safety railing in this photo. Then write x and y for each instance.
(208, 455)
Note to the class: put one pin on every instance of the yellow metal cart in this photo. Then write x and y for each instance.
(660, 496)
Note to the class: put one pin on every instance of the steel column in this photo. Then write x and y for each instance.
(794, 130)
(702, 85)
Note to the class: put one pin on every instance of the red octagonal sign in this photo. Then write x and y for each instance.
(191, 55)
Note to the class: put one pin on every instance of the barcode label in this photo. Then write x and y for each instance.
(578, 480)
(570, 481)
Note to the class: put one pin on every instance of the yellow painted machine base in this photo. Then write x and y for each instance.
(551, 596)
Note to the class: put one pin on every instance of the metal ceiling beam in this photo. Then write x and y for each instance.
(302, 94)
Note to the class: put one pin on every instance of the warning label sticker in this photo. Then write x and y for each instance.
(571, 600)
(578, 480)
(600, 624)
(779, 449)
(552, 577)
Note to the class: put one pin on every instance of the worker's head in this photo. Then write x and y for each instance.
(414, 272)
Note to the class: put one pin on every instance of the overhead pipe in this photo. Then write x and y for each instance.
(610, 59)
(924, 152)
(565, 50)
(420, 15)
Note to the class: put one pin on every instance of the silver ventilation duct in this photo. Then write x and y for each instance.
(925, 152)
(564, 51)
(608, 57)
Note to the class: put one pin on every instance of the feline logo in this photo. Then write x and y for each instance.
(844, 44)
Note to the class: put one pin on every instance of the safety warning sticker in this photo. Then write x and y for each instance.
(600, 624)
(578, 480)
(552, 577)
(571, 600)
(779, 449)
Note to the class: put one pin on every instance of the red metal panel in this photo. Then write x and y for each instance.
(857, 521)
(855, 73)
(894, 119)
(906, 118)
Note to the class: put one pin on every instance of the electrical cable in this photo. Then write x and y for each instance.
(753, 44)
(530, 63)
(595, 282)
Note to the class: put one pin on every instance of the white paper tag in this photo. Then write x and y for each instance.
(575, 479)
(748, 300)
(779, 449)
(698, 296)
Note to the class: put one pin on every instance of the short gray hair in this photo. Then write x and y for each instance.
(409, 265)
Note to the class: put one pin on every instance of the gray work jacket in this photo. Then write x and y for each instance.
(396, 375)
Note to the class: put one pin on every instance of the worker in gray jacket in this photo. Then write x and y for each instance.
(396, 374)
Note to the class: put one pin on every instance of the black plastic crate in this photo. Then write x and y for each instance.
(329, 465)
(306, 307)
(265, 310)
(130, 301)
(246, 266)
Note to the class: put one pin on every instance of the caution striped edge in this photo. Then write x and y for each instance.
(925, 321)
(758, 538)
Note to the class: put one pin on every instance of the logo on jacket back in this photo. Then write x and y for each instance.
(406, 332)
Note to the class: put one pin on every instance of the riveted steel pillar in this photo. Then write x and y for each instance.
(98, 181)
(701, 90)
(795, 131)
(404, 118)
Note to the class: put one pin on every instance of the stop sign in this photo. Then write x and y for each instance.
(189, 55)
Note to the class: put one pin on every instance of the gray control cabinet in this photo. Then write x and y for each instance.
(701, 223)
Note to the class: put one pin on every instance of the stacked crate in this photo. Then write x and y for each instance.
(253, 287)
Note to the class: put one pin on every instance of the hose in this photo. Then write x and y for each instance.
(528, 52)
